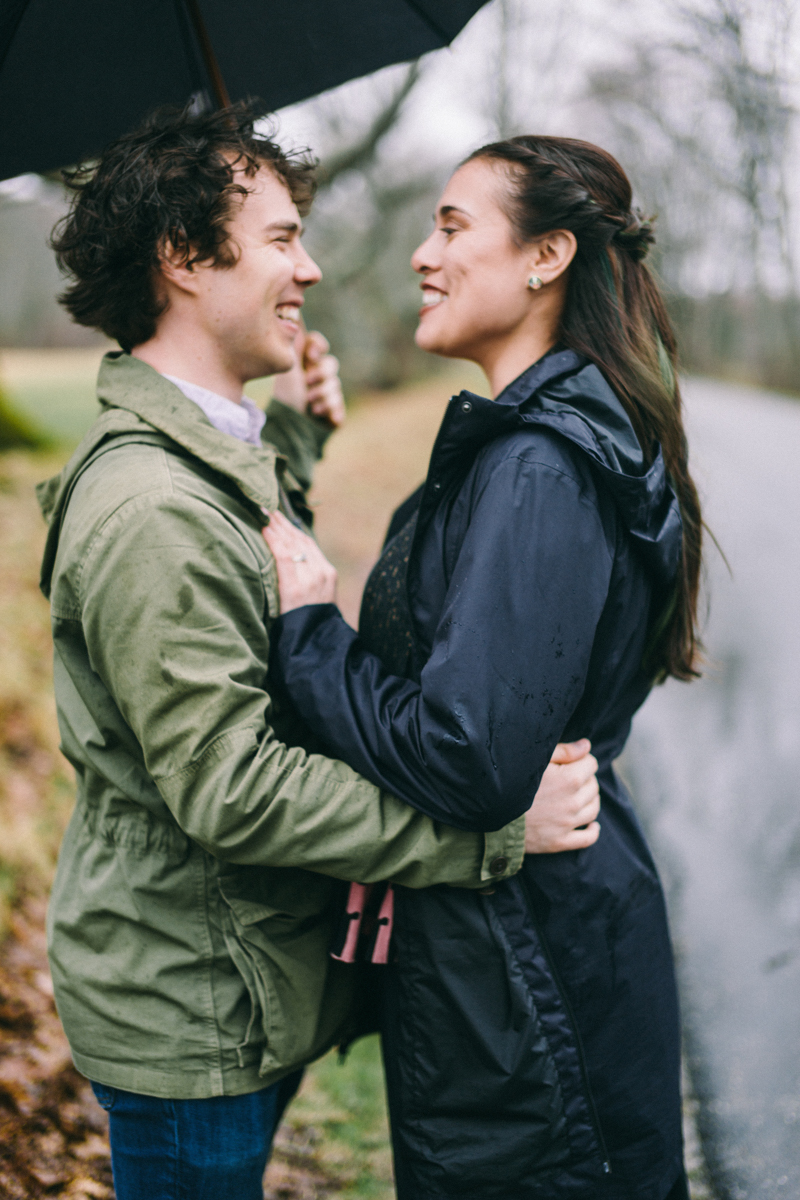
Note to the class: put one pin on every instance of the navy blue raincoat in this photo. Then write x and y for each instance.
(531, 1031)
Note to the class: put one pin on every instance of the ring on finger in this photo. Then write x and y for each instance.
(298, 558)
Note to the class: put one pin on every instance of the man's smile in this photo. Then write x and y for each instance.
(289, 313)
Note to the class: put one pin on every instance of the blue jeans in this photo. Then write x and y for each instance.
(215, 1149)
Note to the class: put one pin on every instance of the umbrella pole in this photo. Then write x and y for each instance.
(209, 57)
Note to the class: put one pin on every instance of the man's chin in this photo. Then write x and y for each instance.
(276, 361)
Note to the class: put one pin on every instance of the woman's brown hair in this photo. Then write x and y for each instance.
(615, 316)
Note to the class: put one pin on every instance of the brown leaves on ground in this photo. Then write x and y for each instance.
(52, 1132)
(295, 1172)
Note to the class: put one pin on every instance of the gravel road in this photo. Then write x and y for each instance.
(715, 770)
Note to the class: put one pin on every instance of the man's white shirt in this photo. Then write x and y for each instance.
(244, 421)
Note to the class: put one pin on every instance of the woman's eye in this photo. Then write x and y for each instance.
(448, 230)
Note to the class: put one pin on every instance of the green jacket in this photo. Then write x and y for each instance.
(196, 888)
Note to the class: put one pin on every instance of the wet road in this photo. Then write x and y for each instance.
(715, 770)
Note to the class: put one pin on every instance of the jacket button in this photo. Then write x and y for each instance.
(466, 406)
(498, 865)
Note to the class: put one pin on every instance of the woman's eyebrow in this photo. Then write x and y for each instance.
(447, 209)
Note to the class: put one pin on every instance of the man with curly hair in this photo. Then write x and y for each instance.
(200, 878)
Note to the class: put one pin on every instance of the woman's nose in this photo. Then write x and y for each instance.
(423, 259)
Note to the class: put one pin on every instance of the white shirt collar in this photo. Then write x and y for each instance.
(244, 421)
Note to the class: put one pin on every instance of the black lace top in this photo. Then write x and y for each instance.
(385, 625)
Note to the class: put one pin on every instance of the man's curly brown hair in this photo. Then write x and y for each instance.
(169, 182)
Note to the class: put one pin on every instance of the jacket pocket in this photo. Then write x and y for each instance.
(277, 927)
(476, 1085)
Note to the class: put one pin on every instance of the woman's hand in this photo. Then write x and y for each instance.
(304, 574)
(564, 810)
(312, 385)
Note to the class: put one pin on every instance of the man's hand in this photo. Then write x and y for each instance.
(312, 385)
(564, 810)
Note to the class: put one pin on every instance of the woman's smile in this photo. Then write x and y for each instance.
(431, 297)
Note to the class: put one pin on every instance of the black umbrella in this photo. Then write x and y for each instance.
(76, 73)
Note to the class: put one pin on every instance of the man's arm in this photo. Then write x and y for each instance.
(173, 606)
(307, 406)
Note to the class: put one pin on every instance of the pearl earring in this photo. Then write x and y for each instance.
(534, 283)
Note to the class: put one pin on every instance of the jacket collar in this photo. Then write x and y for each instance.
(139, 404)
(128, 383)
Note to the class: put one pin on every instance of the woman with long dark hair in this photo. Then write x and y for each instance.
(533, 590)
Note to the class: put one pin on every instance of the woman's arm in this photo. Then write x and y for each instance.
(508, 664)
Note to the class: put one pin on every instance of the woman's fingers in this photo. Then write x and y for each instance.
(304, 574)
(567, 752)
(568, 799)
(579, 839)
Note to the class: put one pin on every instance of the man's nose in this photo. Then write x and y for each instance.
(306, 271)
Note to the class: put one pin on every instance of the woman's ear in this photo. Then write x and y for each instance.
(552, 254)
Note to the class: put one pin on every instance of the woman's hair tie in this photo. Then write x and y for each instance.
(635, 234)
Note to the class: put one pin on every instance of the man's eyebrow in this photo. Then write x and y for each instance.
(286, 227)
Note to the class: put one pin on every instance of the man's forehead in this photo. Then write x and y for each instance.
(268, 193)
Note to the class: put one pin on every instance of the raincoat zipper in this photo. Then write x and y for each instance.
(571, 1018)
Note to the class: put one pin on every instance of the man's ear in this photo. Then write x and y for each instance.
(552, 254)
(175, 267)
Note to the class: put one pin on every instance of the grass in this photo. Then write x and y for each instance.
(53, 390)
(337, 1127)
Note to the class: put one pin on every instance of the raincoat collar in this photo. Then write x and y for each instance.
(571, 391)
(566, 393)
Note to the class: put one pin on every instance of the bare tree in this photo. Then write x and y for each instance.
(703, 119)
(370, 213)
(704, 116)
(526, 75)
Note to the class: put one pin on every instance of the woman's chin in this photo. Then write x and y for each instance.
(433, 342)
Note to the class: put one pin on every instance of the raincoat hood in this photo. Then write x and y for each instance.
(567, 393)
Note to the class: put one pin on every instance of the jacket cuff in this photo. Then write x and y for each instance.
(504, 851)
(309, 429)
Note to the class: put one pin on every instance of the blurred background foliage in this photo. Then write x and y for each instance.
(697, 98)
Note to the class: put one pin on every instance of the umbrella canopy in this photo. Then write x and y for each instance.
(74, 74)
